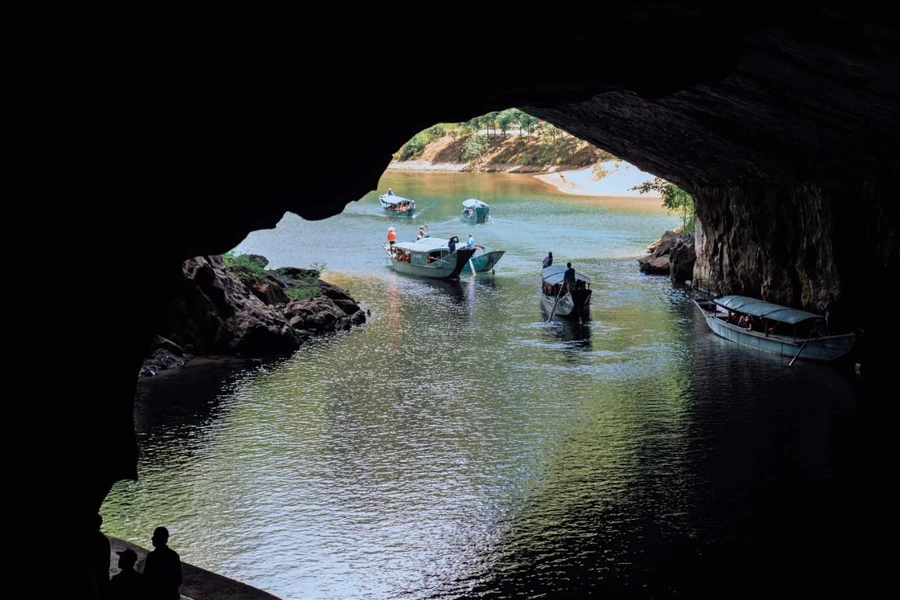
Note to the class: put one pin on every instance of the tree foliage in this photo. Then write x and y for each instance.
(675, 199)
(414, 146)
(475, 146)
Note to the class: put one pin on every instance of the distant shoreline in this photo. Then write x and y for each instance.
(576, 182)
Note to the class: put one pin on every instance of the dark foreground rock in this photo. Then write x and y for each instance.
(236, 311)
(673, 255)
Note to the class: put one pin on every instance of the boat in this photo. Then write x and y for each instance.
(559, 301)
(790, 332)
(475, 211)
(484, 258)
(397, 204)
(428, 257)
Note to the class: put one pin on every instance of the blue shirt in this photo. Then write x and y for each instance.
(470, 243)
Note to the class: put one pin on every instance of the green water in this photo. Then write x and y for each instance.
(458, 445)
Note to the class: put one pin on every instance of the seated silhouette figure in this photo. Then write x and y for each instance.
(127, 584)
(100, 558)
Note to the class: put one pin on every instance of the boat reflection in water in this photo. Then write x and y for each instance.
(575, 334)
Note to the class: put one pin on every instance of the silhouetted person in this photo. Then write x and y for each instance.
(832, 315)
(451, 244)
(163, 568)
(100, 558)
(548, 260)
(128, 584)
(569, 276)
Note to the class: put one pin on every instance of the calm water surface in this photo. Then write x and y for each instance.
(458, 446)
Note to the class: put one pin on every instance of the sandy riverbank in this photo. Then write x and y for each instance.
(618, 177)
(614, 186)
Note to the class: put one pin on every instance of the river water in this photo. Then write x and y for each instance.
(459, 446)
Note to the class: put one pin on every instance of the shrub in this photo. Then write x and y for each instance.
(475, 147)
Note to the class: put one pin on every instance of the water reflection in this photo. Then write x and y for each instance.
(461, 446)
(573, 334)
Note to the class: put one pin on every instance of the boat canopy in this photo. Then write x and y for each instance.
(554, 274)
(474, 203)
(765, 310)
(395, 199)
(426, 244)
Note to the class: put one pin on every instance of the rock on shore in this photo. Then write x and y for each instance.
(673, 255)
(233, 311)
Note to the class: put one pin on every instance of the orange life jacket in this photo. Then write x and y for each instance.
(392, 236)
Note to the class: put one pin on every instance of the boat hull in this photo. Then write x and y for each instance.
(486, 261)
(448, 268)
(574, 306)
(480, 215)
(824, 349)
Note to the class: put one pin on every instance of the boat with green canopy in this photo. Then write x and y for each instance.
(771, 327)
(428, 257)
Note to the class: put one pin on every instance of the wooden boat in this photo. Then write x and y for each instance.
(790, 332)
(428, 257)
(559, 301)
(397, 204)
(475, 211)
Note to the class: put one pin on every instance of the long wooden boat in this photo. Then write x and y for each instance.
(770, 327)
(561, 302)
(428, 257)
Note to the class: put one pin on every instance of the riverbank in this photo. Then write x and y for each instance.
(571, 165)
(611, 180)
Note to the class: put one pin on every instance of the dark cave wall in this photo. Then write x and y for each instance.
(793, 244)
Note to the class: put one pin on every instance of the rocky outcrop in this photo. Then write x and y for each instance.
(236, 311)
(673, 255)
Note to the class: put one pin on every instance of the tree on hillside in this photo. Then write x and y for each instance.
(474, 124)
(526, 122)
(675, 199)
(490, 121)
(507, 118)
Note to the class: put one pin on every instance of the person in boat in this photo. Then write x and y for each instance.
(421, 234)
(452, 242)
(391, 236)
(830, 308)
(548, 260)
(470, 243)
(425, 229)
(569, 277)
(390, 192)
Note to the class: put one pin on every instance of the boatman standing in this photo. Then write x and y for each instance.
(569, 276)
(392, 236)
(470, 243)
(390, 192)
